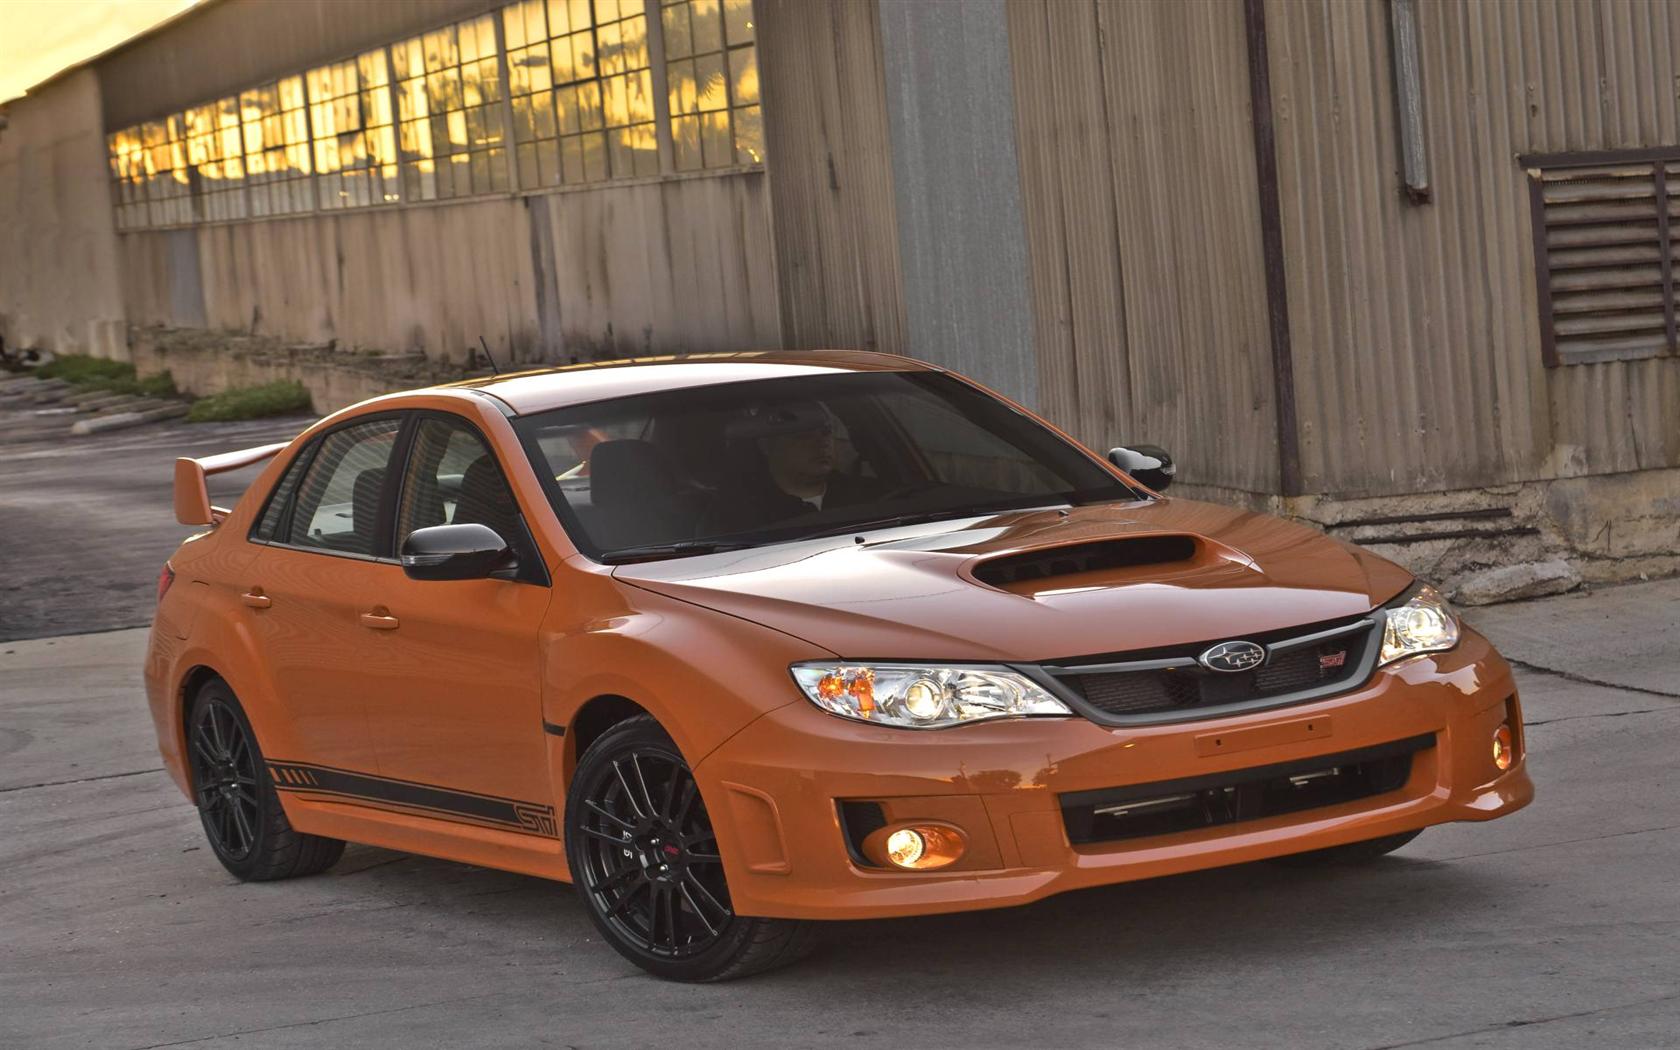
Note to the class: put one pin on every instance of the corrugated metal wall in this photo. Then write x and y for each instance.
(224, 46)
(1415, 330)
(1142, 221)
(649, 268)
(825, 127)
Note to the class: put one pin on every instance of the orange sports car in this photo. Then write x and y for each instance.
(737, 642)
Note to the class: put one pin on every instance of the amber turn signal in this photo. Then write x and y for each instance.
(915, 847)
(1504, 754)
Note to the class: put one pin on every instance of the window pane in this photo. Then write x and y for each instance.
(278, 501)
(708, 79)
(743, 75)
(684, 98)
(548, 163)
(749, 136)
(708, 26)
(715, 143)
(454, 479)
(737, 21)
(338, 500)
(594, 157)
(589, 105)
(679, 40)
(685, 139)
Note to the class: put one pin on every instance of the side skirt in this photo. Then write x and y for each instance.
(508, 834)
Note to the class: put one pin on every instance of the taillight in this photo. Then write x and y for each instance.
(166, 576)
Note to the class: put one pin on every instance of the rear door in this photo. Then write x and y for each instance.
(327, 558)
(458, 706)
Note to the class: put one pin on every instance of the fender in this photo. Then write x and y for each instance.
(650, 638)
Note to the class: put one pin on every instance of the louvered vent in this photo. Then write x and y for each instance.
(1604, 253)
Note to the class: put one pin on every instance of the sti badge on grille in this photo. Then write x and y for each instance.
(1233, 656)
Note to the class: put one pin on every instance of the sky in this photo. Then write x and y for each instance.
(40, 37)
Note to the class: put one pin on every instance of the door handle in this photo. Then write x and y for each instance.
(256, 599)
(380, 621)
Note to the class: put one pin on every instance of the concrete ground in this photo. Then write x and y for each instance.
(87, 522)
(1556, 927)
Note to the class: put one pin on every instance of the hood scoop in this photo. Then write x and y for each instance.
(1028, 570)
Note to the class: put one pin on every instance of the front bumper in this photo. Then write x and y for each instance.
(773, 789)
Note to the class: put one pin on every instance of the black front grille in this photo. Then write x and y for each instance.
(1167, 807)
(1173, 683)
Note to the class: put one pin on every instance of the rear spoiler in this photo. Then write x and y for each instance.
(192, 498)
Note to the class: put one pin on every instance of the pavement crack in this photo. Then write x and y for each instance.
(81, 780)
(1564, 842)
(1526, 1023)
(1581, 679)
(1599, 714)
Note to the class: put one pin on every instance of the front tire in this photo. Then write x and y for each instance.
(237, 803)
(646, 865)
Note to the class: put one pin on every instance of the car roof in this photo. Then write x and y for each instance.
(548, 388)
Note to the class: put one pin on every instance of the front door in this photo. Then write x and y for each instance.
(460, 708)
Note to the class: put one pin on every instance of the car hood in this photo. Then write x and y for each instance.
(1038, 585)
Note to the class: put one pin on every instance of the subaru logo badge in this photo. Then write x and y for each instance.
(1233, 656)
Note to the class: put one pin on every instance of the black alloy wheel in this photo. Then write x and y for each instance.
(646, 862)
(237, 803)
(225, 776)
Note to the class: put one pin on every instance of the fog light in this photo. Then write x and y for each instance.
(1503, 752)
(916, 847)
(906, 846)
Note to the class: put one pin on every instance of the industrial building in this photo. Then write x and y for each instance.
(1404, 269)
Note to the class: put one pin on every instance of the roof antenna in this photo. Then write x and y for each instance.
(493, 369)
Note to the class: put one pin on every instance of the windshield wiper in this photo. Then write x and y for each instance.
(653, 551)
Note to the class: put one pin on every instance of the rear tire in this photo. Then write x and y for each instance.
(1350, 854)
(237, 803)
(646, 865)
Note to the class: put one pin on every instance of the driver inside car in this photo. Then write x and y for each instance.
(793, 472)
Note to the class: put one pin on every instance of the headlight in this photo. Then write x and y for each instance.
(1423, 623)
(915, 697)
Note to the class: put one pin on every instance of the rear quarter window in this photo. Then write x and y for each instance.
(281, 499)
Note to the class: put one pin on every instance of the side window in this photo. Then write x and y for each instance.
(453, 479)
(275, 512)
(337, 502)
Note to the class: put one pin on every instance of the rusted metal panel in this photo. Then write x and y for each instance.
(1141, 205)
(429, 279)
(683, 264)
(956, 183)
(228, 45)
(830, 171)
(1418, 347)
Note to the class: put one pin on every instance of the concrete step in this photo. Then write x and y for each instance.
(109, 402)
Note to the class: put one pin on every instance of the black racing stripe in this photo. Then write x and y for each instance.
(513, 814)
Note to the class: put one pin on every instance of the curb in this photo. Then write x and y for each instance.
(123, 420)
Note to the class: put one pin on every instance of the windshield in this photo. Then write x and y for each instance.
(742, 464)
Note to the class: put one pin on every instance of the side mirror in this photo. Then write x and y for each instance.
(1150, 464)
(456, 552)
